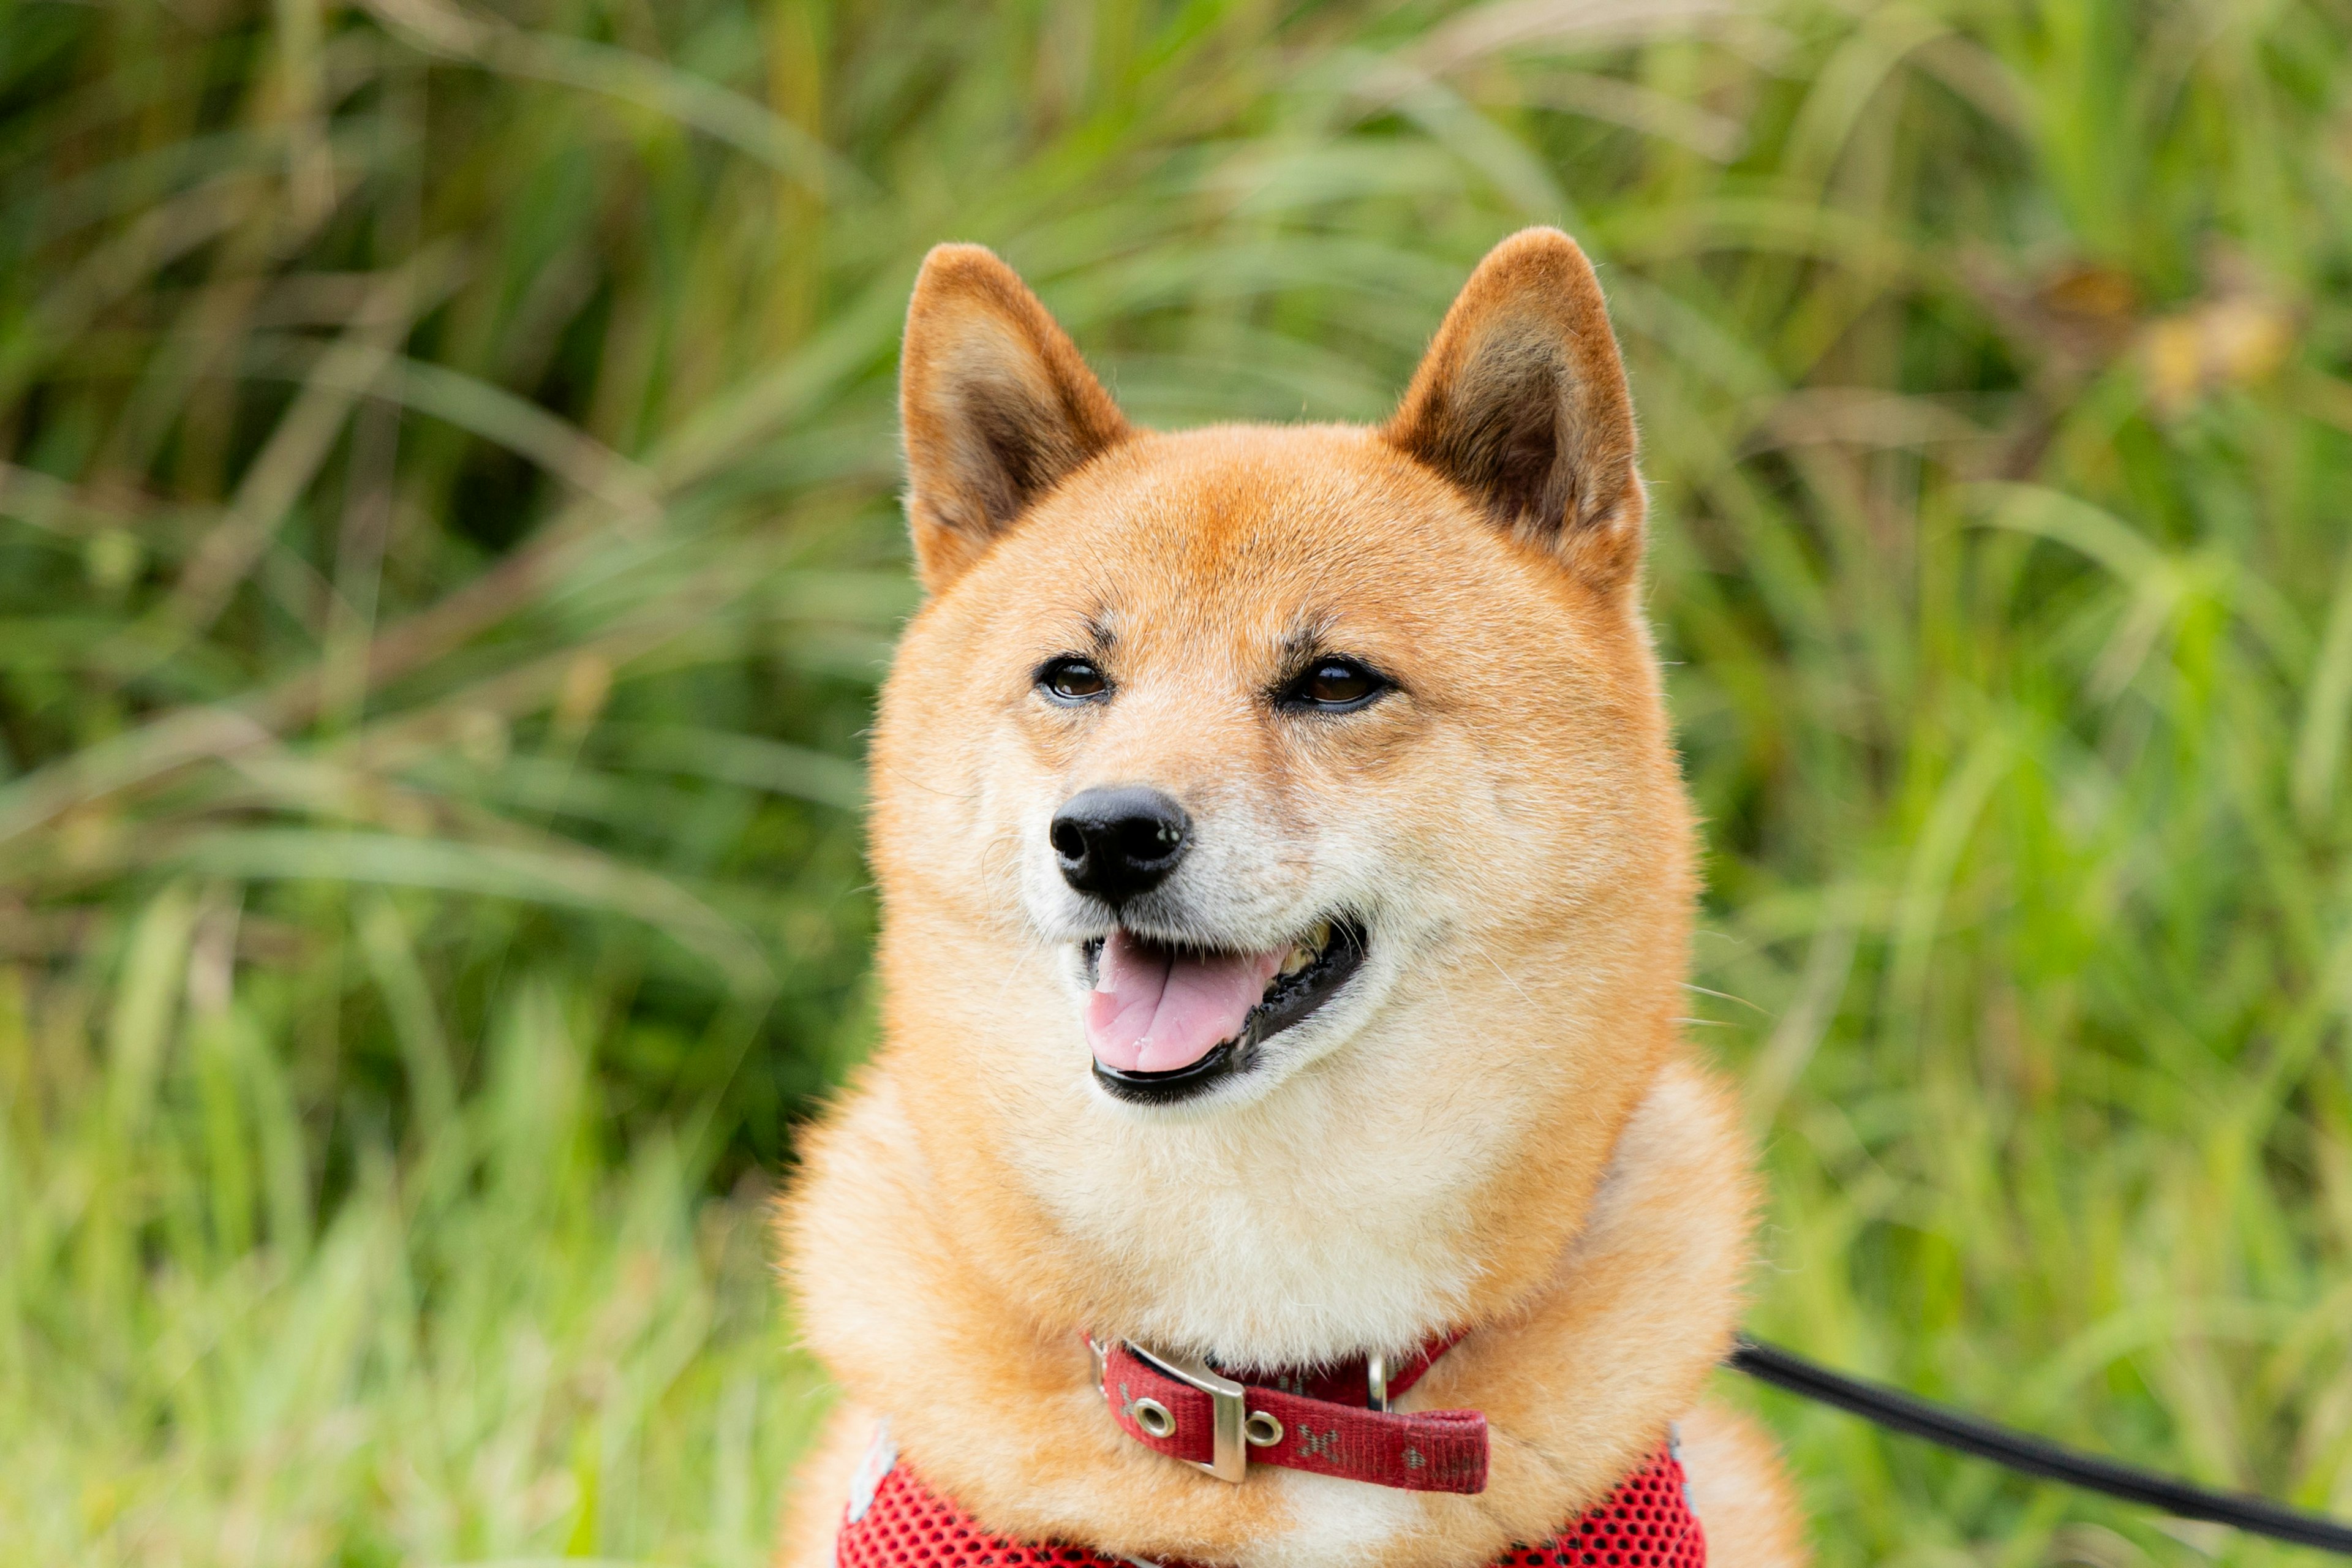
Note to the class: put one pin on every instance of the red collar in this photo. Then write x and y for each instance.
(1334, 1421)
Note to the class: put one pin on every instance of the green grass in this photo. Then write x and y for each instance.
(448, 542)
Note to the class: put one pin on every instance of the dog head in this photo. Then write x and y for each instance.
(1220, 757)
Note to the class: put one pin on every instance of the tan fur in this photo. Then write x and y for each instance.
(820, 1487)
(1494, 1127)
(1736, 1486)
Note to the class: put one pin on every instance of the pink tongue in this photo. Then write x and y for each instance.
(1154, 1010)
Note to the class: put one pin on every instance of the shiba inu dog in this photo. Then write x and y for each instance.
(1286, 881)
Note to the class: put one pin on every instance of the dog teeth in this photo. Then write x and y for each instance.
(1303, 953)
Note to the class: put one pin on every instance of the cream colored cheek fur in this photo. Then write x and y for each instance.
(1295, 1229)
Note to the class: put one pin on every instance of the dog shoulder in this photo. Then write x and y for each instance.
(857, 1233)
(1582, 1384)
(821, 1486)
(1741, 1491)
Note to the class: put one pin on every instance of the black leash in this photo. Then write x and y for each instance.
(1900, 1411)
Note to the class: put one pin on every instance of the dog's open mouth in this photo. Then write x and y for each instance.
(1167, 1022)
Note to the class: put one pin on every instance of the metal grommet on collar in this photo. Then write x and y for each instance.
(1264, 1429)
(1155, 1418)
(1228, 1405)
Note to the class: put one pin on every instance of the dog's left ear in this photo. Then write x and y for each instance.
(1521, 401)
(995, 404)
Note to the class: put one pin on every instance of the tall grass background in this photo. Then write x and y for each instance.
(449, 544)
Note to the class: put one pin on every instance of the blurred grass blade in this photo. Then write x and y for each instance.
(707, 107)
(572, 878)
(771, 766)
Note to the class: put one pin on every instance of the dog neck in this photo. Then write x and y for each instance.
(1363, 1206)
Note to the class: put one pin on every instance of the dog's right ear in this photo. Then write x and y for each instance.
(996, 406)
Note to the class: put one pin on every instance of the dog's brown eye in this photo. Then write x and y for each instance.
(1072, 680)
(1339, 683)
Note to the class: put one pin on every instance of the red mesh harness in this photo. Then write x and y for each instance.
(895, 1519)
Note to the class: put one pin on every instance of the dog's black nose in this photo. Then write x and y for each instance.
(1119, 843)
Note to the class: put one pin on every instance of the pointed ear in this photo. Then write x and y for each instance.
(1521, 401)
(996, 406)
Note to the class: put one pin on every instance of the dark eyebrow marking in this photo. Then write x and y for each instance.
(1308, 637)
(1100, 634)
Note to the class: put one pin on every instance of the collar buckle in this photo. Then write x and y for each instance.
(1312, 1421)
(1229, 1440)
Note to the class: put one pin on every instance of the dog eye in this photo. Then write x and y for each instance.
(1339, 683)
(1072, 680)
